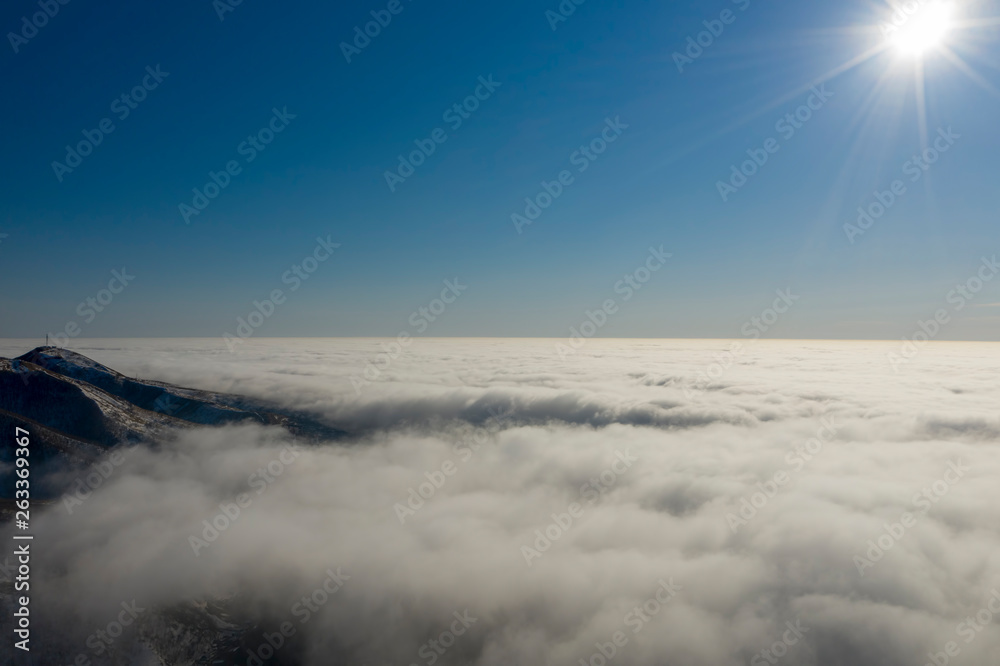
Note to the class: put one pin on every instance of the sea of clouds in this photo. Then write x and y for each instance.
(636, 502)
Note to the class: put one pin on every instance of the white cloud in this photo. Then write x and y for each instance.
(664, 518)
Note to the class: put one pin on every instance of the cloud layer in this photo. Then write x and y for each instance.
(800, 498)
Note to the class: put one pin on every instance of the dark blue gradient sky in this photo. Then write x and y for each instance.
(656, 184)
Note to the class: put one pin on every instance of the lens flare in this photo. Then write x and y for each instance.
(925, 28)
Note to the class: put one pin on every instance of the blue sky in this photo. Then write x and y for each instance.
(656, 184)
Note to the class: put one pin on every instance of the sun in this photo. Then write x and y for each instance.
(913, 33)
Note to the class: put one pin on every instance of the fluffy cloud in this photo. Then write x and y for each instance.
(552, 500)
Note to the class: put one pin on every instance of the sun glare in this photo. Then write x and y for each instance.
(924, 29)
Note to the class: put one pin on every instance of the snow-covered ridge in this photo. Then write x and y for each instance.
(78, 406)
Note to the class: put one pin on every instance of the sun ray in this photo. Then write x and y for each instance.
(749, 117)
(962, 66)
(864, 110)
(919, 82)
(783, 99)
(970, 24)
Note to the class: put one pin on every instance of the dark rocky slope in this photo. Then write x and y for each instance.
(77, 408)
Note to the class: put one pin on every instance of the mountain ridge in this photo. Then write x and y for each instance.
(79, 408)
